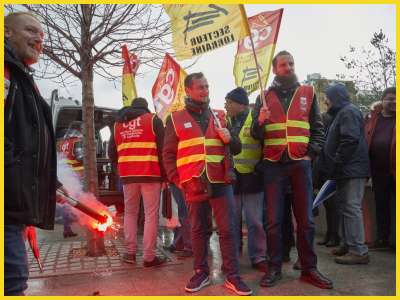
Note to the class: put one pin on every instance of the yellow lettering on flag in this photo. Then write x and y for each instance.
(264, 28)
(198, 29)
(128, 76)
(168, 90)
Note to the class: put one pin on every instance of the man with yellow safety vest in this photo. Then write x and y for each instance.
(194, 158)
(136, 144)
(289, 124)
(248, 187)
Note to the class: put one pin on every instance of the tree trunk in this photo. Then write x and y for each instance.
(89, 143)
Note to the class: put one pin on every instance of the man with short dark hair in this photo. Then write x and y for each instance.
(194, 154)
(290, 126)
(30, 163)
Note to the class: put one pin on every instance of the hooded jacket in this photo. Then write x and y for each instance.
(30, 163)
(138, 108)
(345, 152)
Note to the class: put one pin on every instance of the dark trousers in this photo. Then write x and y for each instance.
(200, 218)
(332, 217)
(276, 176)
(15, 261)
(182, 234)
(287, 225)
(384, 187)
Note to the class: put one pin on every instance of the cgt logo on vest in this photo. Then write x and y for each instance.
(303, 104)
(132, 124)
(132, 128)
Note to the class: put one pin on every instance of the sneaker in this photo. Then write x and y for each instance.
(129, 258)
(157, 261)
(197, 282)
(238, 286)
(352, 259)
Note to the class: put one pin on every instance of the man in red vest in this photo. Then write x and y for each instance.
(137, 145)
(290, 126)
(194, 159)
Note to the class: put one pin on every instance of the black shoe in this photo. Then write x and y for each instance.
(270, 278)
(171, 248)
(297, 265)
(129, 258)
(315, 278)
(260, 266)
(324, 241)
(68, 234)
(333, 242)
(379, 245)
(155, 262)
(342, 250)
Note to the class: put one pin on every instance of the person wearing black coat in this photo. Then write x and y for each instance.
(345, 159)
(30, 163)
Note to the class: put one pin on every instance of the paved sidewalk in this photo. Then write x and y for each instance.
(377, 278)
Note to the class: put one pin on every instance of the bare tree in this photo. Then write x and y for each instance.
(373, 69)
(83, 40)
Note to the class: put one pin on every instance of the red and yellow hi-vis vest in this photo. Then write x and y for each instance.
(137, 147)
(67, 146)
(289, 130)
(198, 152)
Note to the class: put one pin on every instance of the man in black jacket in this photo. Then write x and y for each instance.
(345, 159)
(290, 126)
(30, 167)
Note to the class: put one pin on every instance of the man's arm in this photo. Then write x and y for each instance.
(159, 132)
(257, 129)
(317, 137)
(169, 152)
(112, 148)
(349, 136)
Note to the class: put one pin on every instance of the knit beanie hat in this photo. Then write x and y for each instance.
(139, 103)
(238, 95)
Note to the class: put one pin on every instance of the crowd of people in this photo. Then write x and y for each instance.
(256, 162)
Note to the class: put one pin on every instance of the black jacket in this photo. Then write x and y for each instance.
(129, 113)
(316, 127)
(30, 163)
(345, 153)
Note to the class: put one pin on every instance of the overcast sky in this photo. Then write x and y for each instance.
(316, 35)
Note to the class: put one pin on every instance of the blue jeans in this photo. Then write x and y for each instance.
(253, 206)
(15, 261)
(349, 194)
(276, 176)
(200, 217)
(182, 234)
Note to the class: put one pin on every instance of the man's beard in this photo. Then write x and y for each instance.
(286, 82)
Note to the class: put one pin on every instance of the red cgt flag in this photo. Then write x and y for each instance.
(168, 91)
